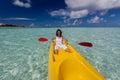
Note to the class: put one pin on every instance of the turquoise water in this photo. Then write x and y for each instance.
(22, 57)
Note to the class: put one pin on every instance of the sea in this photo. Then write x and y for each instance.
(23, 57)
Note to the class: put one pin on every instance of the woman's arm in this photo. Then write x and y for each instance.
(64, 39)
(53, 39)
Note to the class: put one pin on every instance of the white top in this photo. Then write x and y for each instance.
(58, 41)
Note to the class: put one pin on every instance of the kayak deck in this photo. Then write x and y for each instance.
(70, 66)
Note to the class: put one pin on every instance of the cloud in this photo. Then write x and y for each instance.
(93, 4)
(81, 8)
(113, 15)
(71, 22)
(71, 14)
(24, 19)
(78, 14)
(60, 12)
(67, 21)
(102, 13)
(75, 22)
(1, 24)
(32, 24)
(96, 19)
(19, 3)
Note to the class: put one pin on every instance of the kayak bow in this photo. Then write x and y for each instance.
(70, 66)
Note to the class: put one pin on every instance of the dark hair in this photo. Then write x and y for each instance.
(57, 32)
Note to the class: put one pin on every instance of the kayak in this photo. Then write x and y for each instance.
(70, 66)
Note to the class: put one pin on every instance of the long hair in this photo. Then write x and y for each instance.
(60, 32)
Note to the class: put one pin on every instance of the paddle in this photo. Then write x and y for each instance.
(87, 44)
(42, 39)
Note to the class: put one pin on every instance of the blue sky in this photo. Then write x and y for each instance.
(36, 13)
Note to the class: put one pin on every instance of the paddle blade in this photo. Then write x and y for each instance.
(42, 39)
(87, 44)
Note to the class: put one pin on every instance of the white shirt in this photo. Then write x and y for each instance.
(59, 41)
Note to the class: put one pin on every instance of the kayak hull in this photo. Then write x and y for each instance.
(70, 66)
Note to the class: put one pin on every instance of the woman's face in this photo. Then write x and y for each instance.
(58, 33)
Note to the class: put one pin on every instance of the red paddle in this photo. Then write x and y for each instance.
(87, 44)
(42, 39)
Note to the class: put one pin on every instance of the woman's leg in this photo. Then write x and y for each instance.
(56, 49)
(66, 49)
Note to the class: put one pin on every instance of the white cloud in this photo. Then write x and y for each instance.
(22, 4)
(80, 22)
(93, 4)
(81, 8)
(17, 19)
(102, 13)
(71, 14)
(75, 22)
(113, 15)
(32, 24)
(60, 12)
(78, 14)
(78, 4)
(96, 19)
(1, 24)
(67, 21)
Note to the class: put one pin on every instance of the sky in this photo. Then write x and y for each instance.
(58, 13)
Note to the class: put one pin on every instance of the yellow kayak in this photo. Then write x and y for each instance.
(70, 66)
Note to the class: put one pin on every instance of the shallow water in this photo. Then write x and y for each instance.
(23, 57)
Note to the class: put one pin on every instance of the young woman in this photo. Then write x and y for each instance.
(59, 39)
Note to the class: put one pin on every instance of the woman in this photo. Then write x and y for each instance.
(59, 39)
